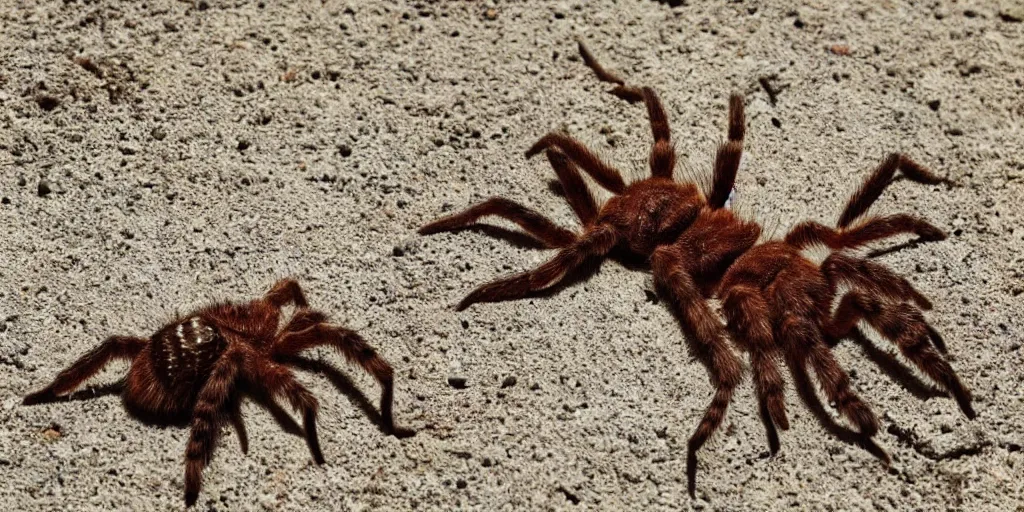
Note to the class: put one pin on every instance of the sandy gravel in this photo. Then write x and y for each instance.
(155, 155)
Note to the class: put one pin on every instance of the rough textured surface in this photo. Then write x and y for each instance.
(158, 154)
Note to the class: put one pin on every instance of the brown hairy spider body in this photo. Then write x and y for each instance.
(777, 302)
(199, 368)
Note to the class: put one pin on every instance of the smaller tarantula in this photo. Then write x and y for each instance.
(200, 367)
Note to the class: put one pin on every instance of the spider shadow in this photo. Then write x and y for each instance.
(87, 393)
(344, 384)
(895, 369)
(515, 238)
(909, 244)
(805, 389)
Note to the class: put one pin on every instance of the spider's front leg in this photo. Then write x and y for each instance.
(537, 225)
(604, 174)
(114, 347)
(577, 194)
(284, 292)
(593, 244)
(876, 183)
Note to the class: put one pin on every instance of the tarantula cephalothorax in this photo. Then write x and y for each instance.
(777, 301)
(199, 368)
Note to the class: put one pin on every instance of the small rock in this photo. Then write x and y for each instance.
(44, 188)
(243, 144)
(52, 433)
(458, 382)
(934, 105)
(840, 49)
(509, 382)
(158, 133)
(345, 150)
(461, 484)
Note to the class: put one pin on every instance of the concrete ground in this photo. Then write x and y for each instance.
(156, 155)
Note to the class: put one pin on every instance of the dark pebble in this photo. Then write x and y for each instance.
(44, 188)
(47, 102)
(509, 382)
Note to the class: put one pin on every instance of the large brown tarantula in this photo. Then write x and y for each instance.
(200, 367)
(777, 301)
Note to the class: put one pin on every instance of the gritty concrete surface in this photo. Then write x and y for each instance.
(156, 155)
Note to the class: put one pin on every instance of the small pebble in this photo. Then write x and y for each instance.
(44, 188)
(508, 382)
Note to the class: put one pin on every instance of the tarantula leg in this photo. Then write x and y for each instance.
(663, 153)
(727, 161)
(276, 380)
(211, 406)
(904, 325)
(876, 183)
(532, 222)
(356, 350)
(805, 389)
(284, 292)
(875, 279)
(595, 243)
(878, 228)
(602, 74)
(575, 189)
(604, 174)
(803, 340)
(238, 423)
(114, 347)
(304, 319)
(710, 346)
(750, 326)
